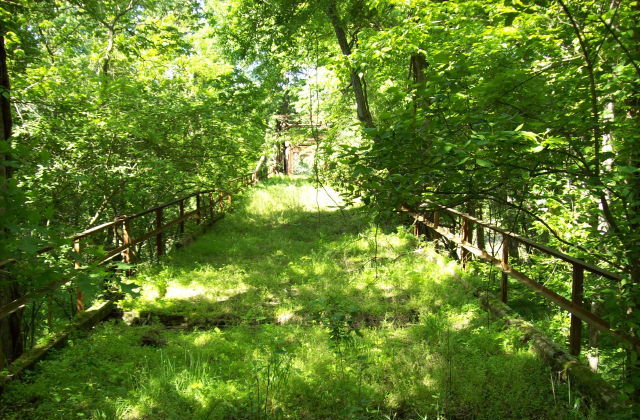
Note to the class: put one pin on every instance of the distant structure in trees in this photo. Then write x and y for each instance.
(297, 156)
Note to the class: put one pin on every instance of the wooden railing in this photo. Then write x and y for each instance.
(574, 306)
(207, 204)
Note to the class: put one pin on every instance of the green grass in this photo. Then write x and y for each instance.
(292, 308)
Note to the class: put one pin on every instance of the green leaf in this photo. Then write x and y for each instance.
(123, 266)
(131, 289)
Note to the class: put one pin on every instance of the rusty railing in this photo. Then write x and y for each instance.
(205, 206)
(574, 305)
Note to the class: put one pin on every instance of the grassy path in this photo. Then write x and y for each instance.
(285, 310)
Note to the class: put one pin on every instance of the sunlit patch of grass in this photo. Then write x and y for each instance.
(295, 310)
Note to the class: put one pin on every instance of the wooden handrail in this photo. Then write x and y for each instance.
(573, 306)
(95, 229)
(15, 305)
(547, 250)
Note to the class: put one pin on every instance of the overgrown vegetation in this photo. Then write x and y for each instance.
(291, 308)
(523, 113)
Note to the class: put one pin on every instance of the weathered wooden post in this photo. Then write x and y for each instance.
(464, 254)
(577, 292)
(76, 265)
(159, 239)
(504, 283)
(127, 240)
(181, 226)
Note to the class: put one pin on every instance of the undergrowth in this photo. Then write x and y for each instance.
(293, 307)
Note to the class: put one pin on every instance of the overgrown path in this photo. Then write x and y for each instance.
(289, 308)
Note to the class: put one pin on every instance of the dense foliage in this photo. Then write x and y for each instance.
(524, 112)
(116, 106)
(121, 104)
(280, 312)
(521, 112)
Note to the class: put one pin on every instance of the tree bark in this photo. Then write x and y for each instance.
(633, 181)
(106, 61)
(634, 158)
(418, 65)
(357, 82)
(11, 344)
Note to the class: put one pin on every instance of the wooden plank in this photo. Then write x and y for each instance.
(127, 253)
(160, 206)
(94, 229)
(107, 225)
(582, 377)
(550, 251)
(549, 294)
(87, 319)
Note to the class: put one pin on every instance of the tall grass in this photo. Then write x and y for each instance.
(293, 308)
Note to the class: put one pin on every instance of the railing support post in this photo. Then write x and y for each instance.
(76, 265)
(464, 254)
(128, 253)
(181, 228)
(504, 283)
(159, 239)
(577, 292)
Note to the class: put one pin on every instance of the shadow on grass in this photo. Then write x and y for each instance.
(453, 363)
(296, 313)
(298, 270)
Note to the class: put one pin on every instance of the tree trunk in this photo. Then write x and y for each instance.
(357, 82)
(11, 344)
(106, 61)
(418, 65)
(633, 181)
